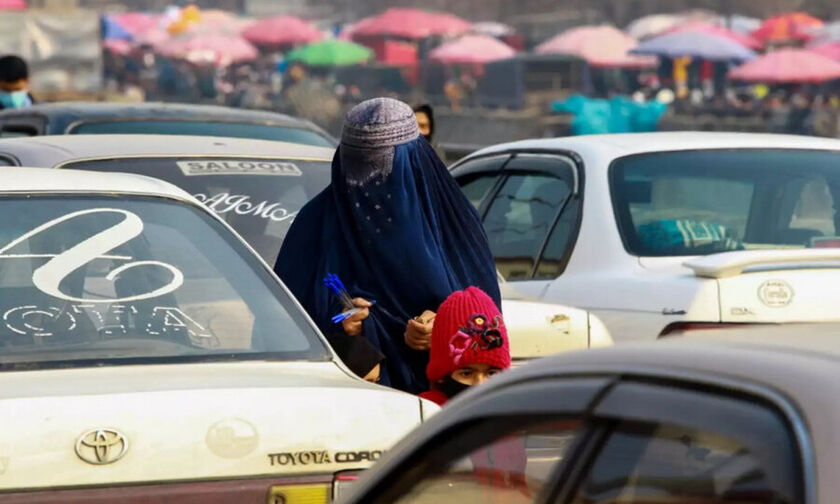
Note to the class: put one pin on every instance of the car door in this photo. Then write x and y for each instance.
(504, 447)
(530, 204)
(677, 444)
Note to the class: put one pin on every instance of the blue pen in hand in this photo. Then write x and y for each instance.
(337, 287)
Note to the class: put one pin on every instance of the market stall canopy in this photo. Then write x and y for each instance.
(137, 23)
(282, 31)
(696, 45)
(212, 49)
(600, 46)
(791, 27)
(472, 49)
(411, 23)
(331, 52)
(12, 4)
(657, 24)
(827, 49)
(788, 66)
(111, 30)
(714, 29)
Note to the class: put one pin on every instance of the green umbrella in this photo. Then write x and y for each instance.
(331, 53)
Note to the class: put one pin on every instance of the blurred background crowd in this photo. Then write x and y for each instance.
(494, 70)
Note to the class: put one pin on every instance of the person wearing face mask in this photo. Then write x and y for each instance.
(14, 83)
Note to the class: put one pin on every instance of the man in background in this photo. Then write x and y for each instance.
(14, 83)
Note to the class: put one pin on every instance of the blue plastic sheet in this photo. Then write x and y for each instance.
(620, 114)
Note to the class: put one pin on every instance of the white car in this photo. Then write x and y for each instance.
(146, 352)
(654, 233)
(258, 187)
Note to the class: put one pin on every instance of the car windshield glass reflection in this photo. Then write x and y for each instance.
(106, 279)
(702, 202)
(259, 197)
(205, 128)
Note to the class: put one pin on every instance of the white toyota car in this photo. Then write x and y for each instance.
(659, 232)
(147, 354)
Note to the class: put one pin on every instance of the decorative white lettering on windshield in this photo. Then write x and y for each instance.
(241, 204)
(162, 321)
(48, 277)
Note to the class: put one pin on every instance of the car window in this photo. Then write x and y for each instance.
(519, 218)
(105, 280)
(204, 128)
(513, 465)
(702, 202)
(560, 242)
(259, 197)
(477, 177)
(17, 131)
(643, 463)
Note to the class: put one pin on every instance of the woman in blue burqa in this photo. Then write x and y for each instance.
(396, 229)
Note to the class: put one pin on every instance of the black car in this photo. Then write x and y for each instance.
(78, 118)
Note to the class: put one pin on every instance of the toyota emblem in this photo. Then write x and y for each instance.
(101, 446)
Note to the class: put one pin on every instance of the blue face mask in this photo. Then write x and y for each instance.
(15, 99)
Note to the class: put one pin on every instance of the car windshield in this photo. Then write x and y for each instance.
(703, 202)
(91, 280)
(259, 197)
(204, 128)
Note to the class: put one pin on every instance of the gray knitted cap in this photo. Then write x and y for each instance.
(371, 131)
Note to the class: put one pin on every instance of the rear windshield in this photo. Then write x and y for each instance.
(109, 280)
(205, 128)
(702, 202)
(259, 197)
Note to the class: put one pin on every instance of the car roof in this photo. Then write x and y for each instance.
(116, 110)
(626, 144)
(44, 180)
(49, 151)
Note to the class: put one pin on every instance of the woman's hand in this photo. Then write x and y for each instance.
(353, 325)
(418, 331)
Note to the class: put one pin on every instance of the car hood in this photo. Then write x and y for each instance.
(192, 421)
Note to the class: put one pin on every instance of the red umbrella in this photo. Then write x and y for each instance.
(788, 65)
(411, 23)
(600, 46)
(219, 50)
(792, 27)
(713, 29)
(472, 49)
(282, 31)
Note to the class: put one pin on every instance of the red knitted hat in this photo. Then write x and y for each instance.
(468, 329)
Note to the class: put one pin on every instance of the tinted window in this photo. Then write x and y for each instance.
(102, 279)
(512, 466)
(557, 250)
(519, 218)
(258, 197)
(205, 128)
(643, 463)
(477, 177)
(476, 187)
(702, 202)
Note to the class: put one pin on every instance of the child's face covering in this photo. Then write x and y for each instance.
(474, 374)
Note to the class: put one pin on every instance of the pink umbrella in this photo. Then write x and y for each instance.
(827, 49)
(600, 46)
(281, 31)
(788, 65)
(117, 46)
(411, 23)
(472, 49)
(12, 4)
(137, 23)
(713, 29)
(219, 50)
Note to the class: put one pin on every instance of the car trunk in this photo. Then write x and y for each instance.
(192, 422)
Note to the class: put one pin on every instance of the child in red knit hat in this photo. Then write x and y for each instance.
(469, 344)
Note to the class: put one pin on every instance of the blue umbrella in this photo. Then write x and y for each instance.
(111, 30)
(696, 45)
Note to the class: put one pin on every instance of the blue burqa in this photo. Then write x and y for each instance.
(406, 239)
